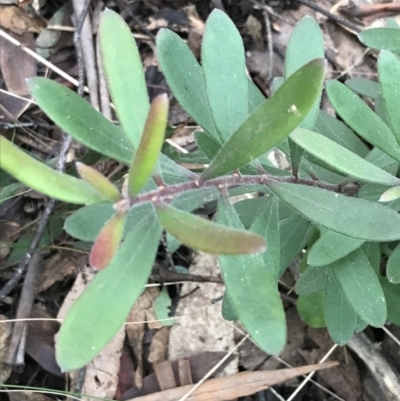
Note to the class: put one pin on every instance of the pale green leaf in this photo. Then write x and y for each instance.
(381, 38)
(364, 87)
(341, 158)
(312, 280)
(162, 309)
(392, 296)
(125, 76)
(44, 179)
(393, 266)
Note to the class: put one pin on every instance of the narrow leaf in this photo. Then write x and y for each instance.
(107, 242)
(341, 158)
(253, 292)
(381, 38)
(125, 76)
(225, 73)
(162, 309)
(80, 120)
(185, 78)
(393, 266)
(364, 87)
(87, 329)
(206, 236)
(340, 317)
(360, 285)
(272, 121)
(331, 247)
(42, 178)
(149, 149)
(266, 224)
(98, 181)
(362, 119)
(389, 78)
(353, 217)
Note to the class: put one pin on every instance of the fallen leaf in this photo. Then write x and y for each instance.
(17, 21)
(5, 333)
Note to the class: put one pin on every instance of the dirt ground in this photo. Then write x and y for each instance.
(141, 358)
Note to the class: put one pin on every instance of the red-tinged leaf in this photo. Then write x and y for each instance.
(101, 183)
(206, 236)
(150, 145)
(107, 242)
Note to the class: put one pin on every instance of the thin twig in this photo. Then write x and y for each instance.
(333, 17)
(270, 45)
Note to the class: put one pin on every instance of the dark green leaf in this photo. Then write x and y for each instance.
(340, 317)
(206, 236)
(372, 251)
(42, 178)
(272, 121)
(225, 73)
(185, 78)
(80, 120)
(360, 325)
(87, 328)
(266, 224)
(253, 292)
(389, 78)
(362, 119)
(360, 285)
(331, 247)
(311, 309)
(381, 38)
(256, 98)
(228, 312)
(312, 280)
(207, 144)
(364, 87)
(125, 76)
(341, 158)
(353, 217)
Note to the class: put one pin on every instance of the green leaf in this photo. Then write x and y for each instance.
(341, 158)
(80, 120)
(87, 329)
(253, 292)
(207, 144)
(185, 78)
(162, 309)
(362, 119)
(150, 145)
(42, 178)
(312, 280)
(249, 209)
(360, 325)
(272, 121)
(390, 195)
(107, 242)
(256, 98)
(340, 317)
(389, 78)
(360, 285)
(392, 296)
(266, 224)
(335, 130)
(364, 87)
(393, 266)
(206, 236)
(125, 76)
(381, 38)
(311, 310)
(331, 247)
(372, 251)
(353, 217)
(86, 223)
(228, 311)
(98, 181)
(225, 73)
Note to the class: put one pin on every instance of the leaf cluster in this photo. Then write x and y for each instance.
(339, 203)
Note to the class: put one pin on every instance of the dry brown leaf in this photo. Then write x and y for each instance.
(17, 21)
(8, 234)
(159, 346)
(203, 329)
(233, 386)
(5, 333)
